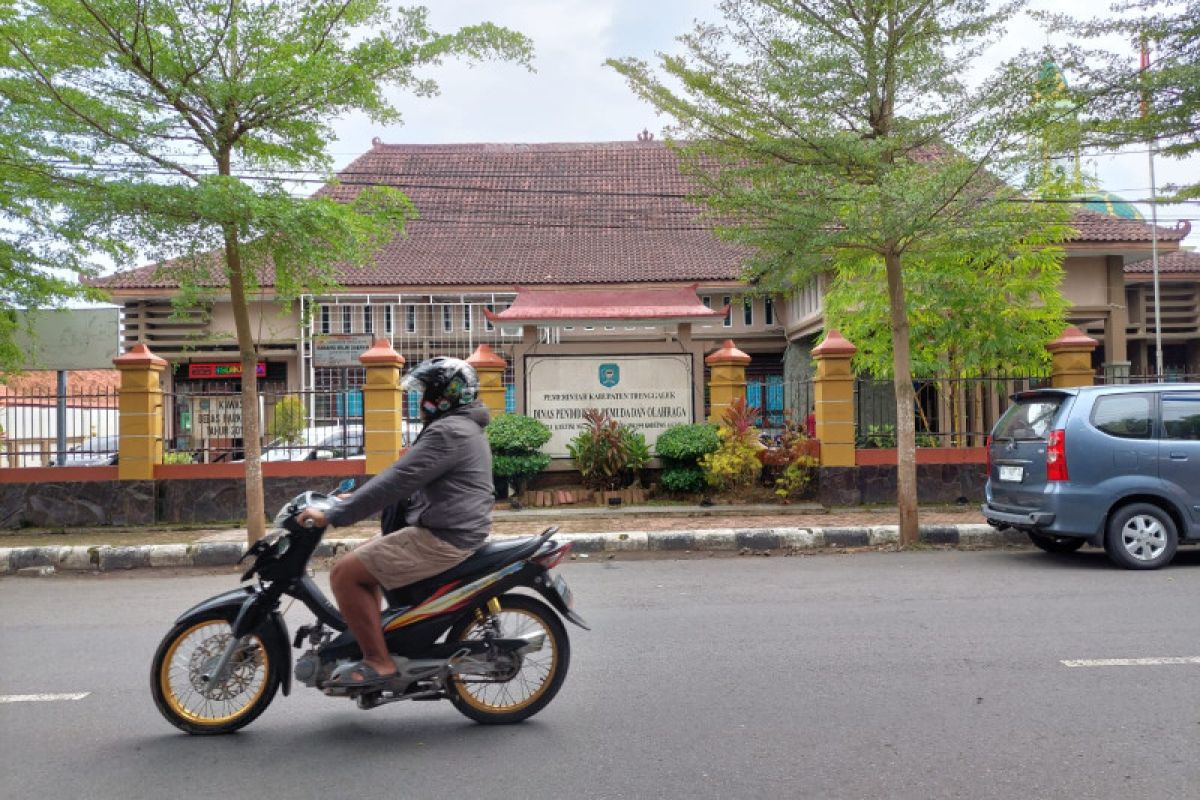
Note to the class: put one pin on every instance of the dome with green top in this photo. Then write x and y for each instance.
(1110, 204)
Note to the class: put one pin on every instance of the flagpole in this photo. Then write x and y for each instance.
(1158, 353)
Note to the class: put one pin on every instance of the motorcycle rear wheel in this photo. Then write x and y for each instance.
(536, 680)
(190, 649)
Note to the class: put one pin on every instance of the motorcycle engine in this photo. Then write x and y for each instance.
(308, 668)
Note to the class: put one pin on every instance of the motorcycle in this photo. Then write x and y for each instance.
(464, 635)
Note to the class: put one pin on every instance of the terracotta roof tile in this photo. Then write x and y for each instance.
(582, 213)
(85, 388)
(1183, 261)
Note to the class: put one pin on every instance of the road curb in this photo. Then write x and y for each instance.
(44, 560)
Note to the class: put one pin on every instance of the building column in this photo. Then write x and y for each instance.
(490, 366)
(140, 410)
(727, 380)
(1116, 354)
(1071, 359)
(383, 409)
(833, 390)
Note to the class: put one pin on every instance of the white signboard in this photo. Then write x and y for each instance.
(646, 393)
(340, 350)
(219, 417)
(69, 338)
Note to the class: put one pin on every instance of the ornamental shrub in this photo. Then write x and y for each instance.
(514, 440)
(288, 420)
(681, 447)
(607, 453)
(734, 463)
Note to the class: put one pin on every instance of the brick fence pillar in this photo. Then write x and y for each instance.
(383, 409)
(833, 388)
(727, 378)
(140, 410)
(490, 366)
(1071, 359)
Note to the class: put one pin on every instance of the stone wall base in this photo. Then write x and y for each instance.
(876, 485)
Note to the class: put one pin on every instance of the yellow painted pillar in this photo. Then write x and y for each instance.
(490, 366)
(1071, 359)
(833, 389)
(140, 409)
(383, 410)
(727, 378)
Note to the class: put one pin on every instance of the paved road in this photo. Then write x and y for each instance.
(874, 675)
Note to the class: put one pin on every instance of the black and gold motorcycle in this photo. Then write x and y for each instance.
(498, 655)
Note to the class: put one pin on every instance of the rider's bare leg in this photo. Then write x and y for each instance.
(358, 598)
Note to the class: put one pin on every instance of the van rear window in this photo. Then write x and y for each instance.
(1029, 419)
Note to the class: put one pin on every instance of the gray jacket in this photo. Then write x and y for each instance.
(446, 476)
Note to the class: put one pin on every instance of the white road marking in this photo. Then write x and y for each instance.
(1131, 662)
(41, 698)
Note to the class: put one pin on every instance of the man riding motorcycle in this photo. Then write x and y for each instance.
(445, 480)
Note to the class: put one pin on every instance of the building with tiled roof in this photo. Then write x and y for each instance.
(499, 220)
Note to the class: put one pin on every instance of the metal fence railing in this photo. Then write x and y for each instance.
(1170, 376)
(45, 429)
(950, 412)
(295, 426)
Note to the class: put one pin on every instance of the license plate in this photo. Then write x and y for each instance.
(564, 591)
(1013, 474)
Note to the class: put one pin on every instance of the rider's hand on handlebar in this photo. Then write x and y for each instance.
(319, 520)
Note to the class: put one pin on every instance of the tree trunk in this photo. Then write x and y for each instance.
(906, 437)
(256, 515)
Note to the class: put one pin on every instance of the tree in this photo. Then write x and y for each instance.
(183, 120)
(1123, 103)
(838, 136)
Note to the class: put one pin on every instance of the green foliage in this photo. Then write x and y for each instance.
(884, 436)
(172, 128)
(796, 477)
(683, 479)
(178, 457)
(1120, 104)
(514, 440)
(735, 462)
(516, 433)
(519, 466)
(681, 447)
(687, 443)
(607, 453)
(288, 420)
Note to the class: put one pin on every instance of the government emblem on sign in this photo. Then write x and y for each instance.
(610, 375)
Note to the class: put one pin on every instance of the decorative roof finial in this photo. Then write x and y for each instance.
(645, 136)
(376, 142)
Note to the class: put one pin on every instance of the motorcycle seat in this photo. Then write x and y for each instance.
(490, 557)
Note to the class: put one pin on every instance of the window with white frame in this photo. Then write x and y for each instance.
(347, 319)
(726, 303)
(447, 318)
(368, 319)
(387, 319)
(467, 317)
(747, 311)
(410, 319)
(768, 311)
(326, 323)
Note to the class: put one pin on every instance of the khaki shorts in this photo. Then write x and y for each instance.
(407, 556)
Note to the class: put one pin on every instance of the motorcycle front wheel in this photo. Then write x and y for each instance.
(515, 690)
(188, 654)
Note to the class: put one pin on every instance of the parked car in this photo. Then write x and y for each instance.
(328, 441)
(1111, 466)
(98, 451)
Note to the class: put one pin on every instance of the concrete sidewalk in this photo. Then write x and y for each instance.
(837, 529)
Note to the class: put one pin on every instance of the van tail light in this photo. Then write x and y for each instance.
(1056, 456)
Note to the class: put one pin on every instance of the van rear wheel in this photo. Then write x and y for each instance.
(1141, 536)
(1056, 544)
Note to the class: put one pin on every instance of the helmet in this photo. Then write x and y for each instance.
(444, 383)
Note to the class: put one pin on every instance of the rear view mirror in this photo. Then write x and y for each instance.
(346, 486)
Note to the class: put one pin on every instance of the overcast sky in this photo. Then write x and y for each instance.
(573, 97)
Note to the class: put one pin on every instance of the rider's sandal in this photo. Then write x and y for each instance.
(343, 677)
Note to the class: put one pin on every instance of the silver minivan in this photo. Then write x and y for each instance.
(1111, 466)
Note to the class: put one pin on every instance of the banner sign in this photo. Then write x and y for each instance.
(646, 393)
(233, 370)
(219, 417)
(63, 339)
(339, 350)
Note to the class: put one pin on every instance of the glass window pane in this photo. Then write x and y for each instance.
(1125, 415)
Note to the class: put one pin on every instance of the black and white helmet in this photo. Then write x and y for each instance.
(444, 383)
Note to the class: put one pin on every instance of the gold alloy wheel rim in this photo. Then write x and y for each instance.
(534, 674)
(175, 677)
